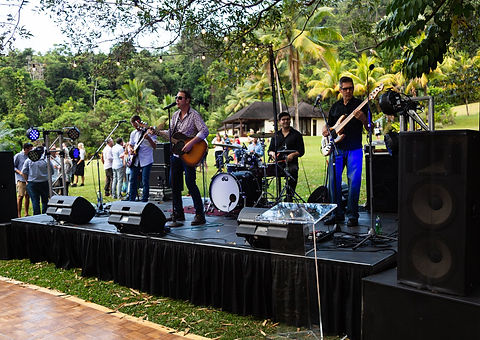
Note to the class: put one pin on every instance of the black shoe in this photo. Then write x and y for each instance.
(198, 220)
(352, 222)
(180, 217)
(332, 219)
(73, 185)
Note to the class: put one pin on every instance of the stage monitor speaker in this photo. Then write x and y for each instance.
(161, 155)
(289, 238)
(385, 182)
(8, 200)
(71, 209)
(439, 210)
(137, 217)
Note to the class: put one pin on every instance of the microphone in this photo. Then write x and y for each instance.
(122, 121)
(317, 100)
(170, 106)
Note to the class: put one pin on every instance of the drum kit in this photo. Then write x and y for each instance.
(245, 183)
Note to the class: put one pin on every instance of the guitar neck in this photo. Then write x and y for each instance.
(341, 126)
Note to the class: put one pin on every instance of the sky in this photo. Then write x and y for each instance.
(46, 33)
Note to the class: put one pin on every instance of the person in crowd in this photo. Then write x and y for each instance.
(255, 147)
(107, 159)
(218, 151)
(142, 144)
(18, 161)
(291, 141)
(36, 176)
(348, 154)
(237, 152)
(118, 154)
(189, 122)
(80, 166)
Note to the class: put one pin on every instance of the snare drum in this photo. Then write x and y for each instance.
(228, 191)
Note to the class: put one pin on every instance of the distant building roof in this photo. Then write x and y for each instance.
(264, 111)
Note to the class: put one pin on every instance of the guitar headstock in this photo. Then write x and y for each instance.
(375, 91)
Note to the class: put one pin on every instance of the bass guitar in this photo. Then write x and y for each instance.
(337, 129)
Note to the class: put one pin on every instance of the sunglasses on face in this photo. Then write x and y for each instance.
(347, 88)
(180, 98)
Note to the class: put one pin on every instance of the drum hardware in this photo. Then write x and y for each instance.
(287, 191)
(262, 135)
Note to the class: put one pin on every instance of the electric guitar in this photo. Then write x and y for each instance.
(133, 155)
(337, 129)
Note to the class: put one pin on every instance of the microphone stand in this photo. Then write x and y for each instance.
(173, 223)
(100, 206)
(333, 157)
(372, 233)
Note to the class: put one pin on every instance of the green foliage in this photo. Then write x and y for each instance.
(408, 19)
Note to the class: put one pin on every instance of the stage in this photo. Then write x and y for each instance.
(210, 265)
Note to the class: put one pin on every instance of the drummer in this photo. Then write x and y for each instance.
(290, 141)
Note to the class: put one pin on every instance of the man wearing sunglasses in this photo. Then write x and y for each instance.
(188, 122)
(348, 154)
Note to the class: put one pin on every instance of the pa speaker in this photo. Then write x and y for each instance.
(137, 217)
(8, 200)
(71, 209)
(439, 210)
(289, 238)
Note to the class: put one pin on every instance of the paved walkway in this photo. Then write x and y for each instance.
(31, 312)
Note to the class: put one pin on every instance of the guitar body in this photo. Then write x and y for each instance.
(195, 155)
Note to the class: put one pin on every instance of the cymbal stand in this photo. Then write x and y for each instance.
(287, 190)
(265, 183)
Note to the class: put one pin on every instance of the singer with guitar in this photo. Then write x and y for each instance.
(141, 146)
(348, 153)
(188, 123)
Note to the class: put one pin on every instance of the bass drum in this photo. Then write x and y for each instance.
(228, 191)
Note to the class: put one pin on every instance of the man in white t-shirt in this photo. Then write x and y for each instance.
(118, 154)
(107, 159)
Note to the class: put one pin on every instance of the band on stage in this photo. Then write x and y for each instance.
(245, 172)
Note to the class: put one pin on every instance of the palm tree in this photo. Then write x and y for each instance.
(302, 38)
(139, 99)
(327, 78)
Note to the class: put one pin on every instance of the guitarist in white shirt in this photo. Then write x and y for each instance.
(142, 143)
(349, 153)
(188, 122)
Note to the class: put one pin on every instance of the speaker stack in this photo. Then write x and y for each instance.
(439, 209)
(160, 172)
(8, 200)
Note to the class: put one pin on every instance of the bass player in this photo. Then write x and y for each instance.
(348, 154)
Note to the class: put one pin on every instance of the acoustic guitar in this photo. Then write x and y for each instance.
(191, 158)
(337, 129)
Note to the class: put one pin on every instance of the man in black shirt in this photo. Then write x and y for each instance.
(348, 154)
(287, 138)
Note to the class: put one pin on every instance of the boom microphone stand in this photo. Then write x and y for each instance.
(174, 223)
(100, 207)
(372, 233)
(333, 154)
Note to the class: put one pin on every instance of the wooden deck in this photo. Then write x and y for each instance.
(31, 312)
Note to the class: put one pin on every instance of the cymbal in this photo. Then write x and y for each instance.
(286, 151)
(233, 146)
(262, 135)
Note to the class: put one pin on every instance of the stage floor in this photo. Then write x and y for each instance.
(211, 265)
